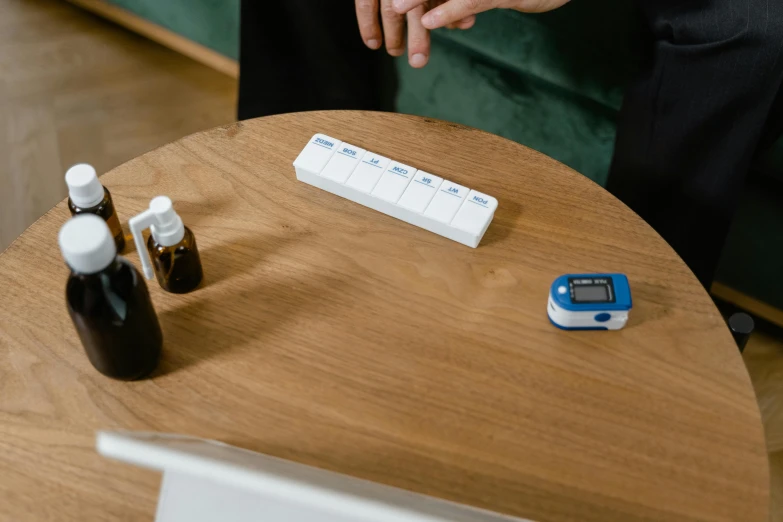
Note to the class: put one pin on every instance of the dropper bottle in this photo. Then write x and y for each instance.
(88, 196)
(171, 253)
(109, 302)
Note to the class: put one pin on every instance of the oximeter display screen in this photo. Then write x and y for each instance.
(591, 293)
(591, 290)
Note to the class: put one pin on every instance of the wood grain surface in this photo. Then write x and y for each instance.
(332, 335)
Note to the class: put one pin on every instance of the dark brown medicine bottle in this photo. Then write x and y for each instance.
(171, 252)
(178, 267)
(108, 302)
(88, 196)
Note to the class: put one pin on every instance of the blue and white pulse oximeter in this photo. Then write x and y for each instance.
(589, 301)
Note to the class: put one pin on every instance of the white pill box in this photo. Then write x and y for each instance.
(396, 189)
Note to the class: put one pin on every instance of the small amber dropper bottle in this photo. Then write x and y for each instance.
(88, 196)
(171, 252)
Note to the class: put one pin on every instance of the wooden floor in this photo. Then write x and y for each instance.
(74, 88)
(764, 359)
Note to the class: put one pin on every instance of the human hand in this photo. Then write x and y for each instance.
(453, 10)
(394, 23)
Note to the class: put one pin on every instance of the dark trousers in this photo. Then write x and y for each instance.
(709, 99)
(303, 55)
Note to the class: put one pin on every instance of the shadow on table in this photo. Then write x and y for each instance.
(234, 258)
(252, 310)
(503, 223)
(198, 213)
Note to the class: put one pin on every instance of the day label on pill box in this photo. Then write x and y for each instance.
(317, 153)
(420, 191)
(476, 213)
(369, 171)
(324, 141)
(394, 181)
(446, 202)
(344, 161)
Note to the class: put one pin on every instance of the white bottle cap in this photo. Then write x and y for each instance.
(83, 186)
(168, 229)
(165, 225)
(87, 244)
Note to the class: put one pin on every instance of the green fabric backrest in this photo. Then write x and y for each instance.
(212, 23)
(595, 59)
(551, 81)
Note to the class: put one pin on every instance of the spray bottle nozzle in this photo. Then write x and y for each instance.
(165, 226)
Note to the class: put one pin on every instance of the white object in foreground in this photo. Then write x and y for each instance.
(205, 481)
(396, 189)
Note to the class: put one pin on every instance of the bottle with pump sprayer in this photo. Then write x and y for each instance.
(109, 302)
(88, 196)
(171, 252)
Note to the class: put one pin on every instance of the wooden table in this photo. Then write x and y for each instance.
(335, 336)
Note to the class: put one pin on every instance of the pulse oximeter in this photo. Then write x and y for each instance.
(589, 301)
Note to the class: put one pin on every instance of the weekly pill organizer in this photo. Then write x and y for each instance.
(396, 189)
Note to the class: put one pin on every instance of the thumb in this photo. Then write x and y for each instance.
(538, 6)
(454, 11)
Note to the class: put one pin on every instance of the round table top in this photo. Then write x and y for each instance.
(333, 335)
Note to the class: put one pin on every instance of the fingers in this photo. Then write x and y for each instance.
(404, 6)
(465, 23)
(418, 39)
(367, 15)
(454, 11)
(393, 22)
(393, 29)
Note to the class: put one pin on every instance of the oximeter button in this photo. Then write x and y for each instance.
(602, 318)
(561, 290)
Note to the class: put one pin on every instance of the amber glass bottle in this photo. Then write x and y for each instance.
(178, 267)
(109, 303)
(88, 196)
(171, 252)
(104, 210)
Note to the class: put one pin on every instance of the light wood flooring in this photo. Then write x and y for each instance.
(764, 359)
(74, 88)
